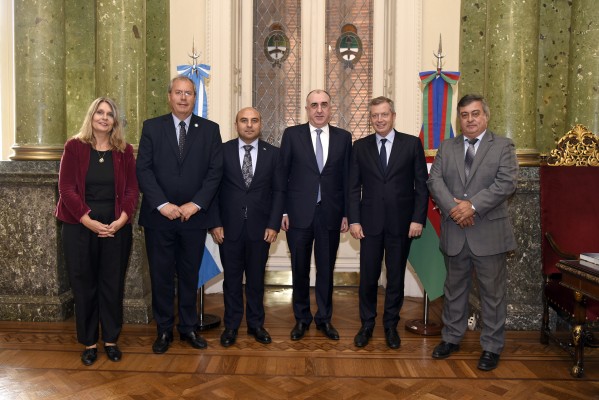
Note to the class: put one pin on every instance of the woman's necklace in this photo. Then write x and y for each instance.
(101, 156)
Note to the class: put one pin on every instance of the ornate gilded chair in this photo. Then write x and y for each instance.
(569, 182)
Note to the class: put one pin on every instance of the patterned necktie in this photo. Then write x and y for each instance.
(182, 137)
(470, 153)
(246, 168)
(319, 157)
(383, 154)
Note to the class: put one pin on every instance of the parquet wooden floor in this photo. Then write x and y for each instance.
(41, 361)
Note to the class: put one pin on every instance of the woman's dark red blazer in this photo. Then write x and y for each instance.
(71, 205)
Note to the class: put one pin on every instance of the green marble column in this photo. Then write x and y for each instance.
(121, 60)
(157, 56)
(473, 36)
(80, 18)
(583, 79)
(552, 80)
(512, 54)
(39, 79)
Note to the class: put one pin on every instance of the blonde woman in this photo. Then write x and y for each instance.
(98, 197)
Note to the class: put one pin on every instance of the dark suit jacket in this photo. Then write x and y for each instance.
(300, 174)
(492, 180)
(263, 200)
(74, 164)
(391, 200)
(163, 177)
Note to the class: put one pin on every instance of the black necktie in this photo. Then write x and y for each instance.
(383, 154)
(246, 168)
(182, 137)
(470, 153)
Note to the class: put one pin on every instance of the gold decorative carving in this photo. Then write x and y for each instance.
(579, 148)
(576, 334)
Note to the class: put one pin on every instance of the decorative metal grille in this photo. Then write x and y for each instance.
(277, 85)
(350, 88)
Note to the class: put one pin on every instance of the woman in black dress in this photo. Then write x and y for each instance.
(98, 197)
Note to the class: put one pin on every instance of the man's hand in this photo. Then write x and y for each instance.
(356, 231)
(467, 222)
(218, 234)
(187, 210)
(462, 212)
(285, 223)
(270, 235)
(170, 211)
(415, 230)
(344, 225)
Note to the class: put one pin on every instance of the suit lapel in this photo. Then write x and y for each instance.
(306, 139)
(261, 162)
(396, 149)
(482, 150)
(372, 152)
(193, 131)
(458, 153)
(171, 133)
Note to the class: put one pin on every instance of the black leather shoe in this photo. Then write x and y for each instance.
(195, 340)
(228, 337)
(113, 352)
(162, 342)
(260, 334)
(329, 330)
(299, 330)
(364, 334)
(444, 350)
(488, 361)
(89, 356)
(392, 337)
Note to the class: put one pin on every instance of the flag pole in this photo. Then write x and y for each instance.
(205, 321)
(423, 326)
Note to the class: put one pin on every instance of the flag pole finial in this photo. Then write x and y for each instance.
(439, 55)
(194, 56)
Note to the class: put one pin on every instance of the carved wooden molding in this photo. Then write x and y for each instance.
(578, 148)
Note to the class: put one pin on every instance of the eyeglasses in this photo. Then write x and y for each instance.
(181, 93)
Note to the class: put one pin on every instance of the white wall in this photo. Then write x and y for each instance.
(7, 99)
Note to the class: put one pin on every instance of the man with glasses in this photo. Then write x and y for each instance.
(179, 169)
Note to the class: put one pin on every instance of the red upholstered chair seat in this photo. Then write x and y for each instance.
(569, 196)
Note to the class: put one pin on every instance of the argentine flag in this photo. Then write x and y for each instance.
(211, 264)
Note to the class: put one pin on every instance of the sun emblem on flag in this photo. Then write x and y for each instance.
(276, 45)
(349, 46)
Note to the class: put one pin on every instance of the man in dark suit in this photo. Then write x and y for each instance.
(388, 201)
(179, 168)
(471, 180)
(315, 164)
(246, 218)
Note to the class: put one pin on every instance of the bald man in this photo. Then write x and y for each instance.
(246, 220)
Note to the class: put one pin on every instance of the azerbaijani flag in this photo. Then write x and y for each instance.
(425, 257)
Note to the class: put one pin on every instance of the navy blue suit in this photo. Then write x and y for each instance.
(176, 247)
(310, 223)
(385, 203)
(245, 213)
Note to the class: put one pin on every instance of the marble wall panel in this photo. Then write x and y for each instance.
(473, 39)
(583, 82)
(34, 284)
(157, 57)
(552, 80)
(525, 280)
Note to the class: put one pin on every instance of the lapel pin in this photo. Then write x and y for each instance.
(196, 125)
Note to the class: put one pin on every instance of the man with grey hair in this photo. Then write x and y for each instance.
(388, 201)
(314, 169)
